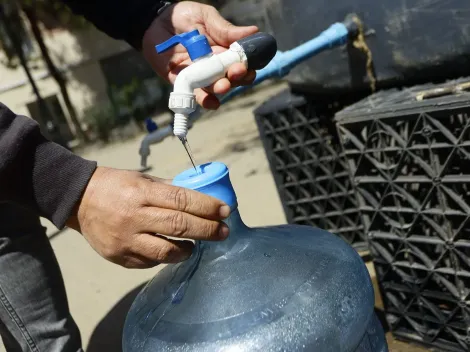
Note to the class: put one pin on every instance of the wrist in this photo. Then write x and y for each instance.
(79, 211)
(157, 32)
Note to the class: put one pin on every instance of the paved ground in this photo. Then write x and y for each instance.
(100, 292)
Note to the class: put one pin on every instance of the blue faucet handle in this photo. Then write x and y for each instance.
(175, 40)
(195, 43)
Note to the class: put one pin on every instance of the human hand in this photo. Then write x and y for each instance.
(184, 17)
(125, 216)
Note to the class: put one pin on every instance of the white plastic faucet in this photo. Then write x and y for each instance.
(254, 51)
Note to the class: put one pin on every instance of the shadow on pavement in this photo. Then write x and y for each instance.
(108, 333)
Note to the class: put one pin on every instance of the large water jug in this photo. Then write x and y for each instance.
(281, 288)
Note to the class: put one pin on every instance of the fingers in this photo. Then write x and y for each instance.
(183, 225)
(222, 86)
(240, 76)
(184, 200)
(148, 250)
(223, 32)
(206, 100)
(237, 75)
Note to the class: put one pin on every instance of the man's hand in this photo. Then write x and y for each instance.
(184, 17)
(125, 216)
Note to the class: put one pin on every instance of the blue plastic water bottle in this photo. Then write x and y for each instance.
(280, 288)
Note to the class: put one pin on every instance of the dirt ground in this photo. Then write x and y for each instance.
(99, 292)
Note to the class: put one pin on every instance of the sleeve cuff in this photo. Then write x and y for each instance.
(136, 35)
(59, 178)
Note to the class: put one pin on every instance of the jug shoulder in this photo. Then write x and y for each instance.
(270, 285)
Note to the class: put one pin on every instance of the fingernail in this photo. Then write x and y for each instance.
(224, 231)
(224, 211)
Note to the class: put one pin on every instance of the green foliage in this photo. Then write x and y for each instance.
(123, 108)
(129, 93)
(12, 23)
(52, 14)
(126, 101)
(102, 120)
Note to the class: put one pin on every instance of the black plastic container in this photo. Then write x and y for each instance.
(409, 155)
(244, 12)
(305, 158)
(412, 42)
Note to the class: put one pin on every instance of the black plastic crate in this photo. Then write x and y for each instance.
(304, 154)
(409, 155)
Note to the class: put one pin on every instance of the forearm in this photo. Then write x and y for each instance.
(37, 173)
(121, 19)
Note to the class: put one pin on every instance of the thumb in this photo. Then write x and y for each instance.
(222, 31)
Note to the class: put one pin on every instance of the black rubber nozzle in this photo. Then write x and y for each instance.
(259, 49)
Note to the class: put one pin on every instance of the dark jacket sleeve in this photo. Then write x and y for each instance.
(37, 173)
(120, 19)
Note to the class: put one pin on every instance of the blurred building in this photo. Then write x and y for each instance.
(97, 68)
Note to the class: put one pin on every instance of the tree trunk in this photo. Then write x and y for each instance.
(54, 72)
(16, 42)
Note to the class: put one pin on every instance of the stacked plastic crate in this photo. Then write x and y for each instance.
(309, 169)
(409, 155)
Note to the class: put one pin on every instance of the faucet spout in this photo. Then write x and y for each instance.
(202, 73)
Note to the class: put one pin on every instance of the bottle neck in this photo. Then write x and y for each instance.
(213, 180)
(236, 240)
(235, 223)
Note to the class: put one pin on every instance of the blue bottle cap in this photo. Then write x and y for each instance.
(212, 179)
